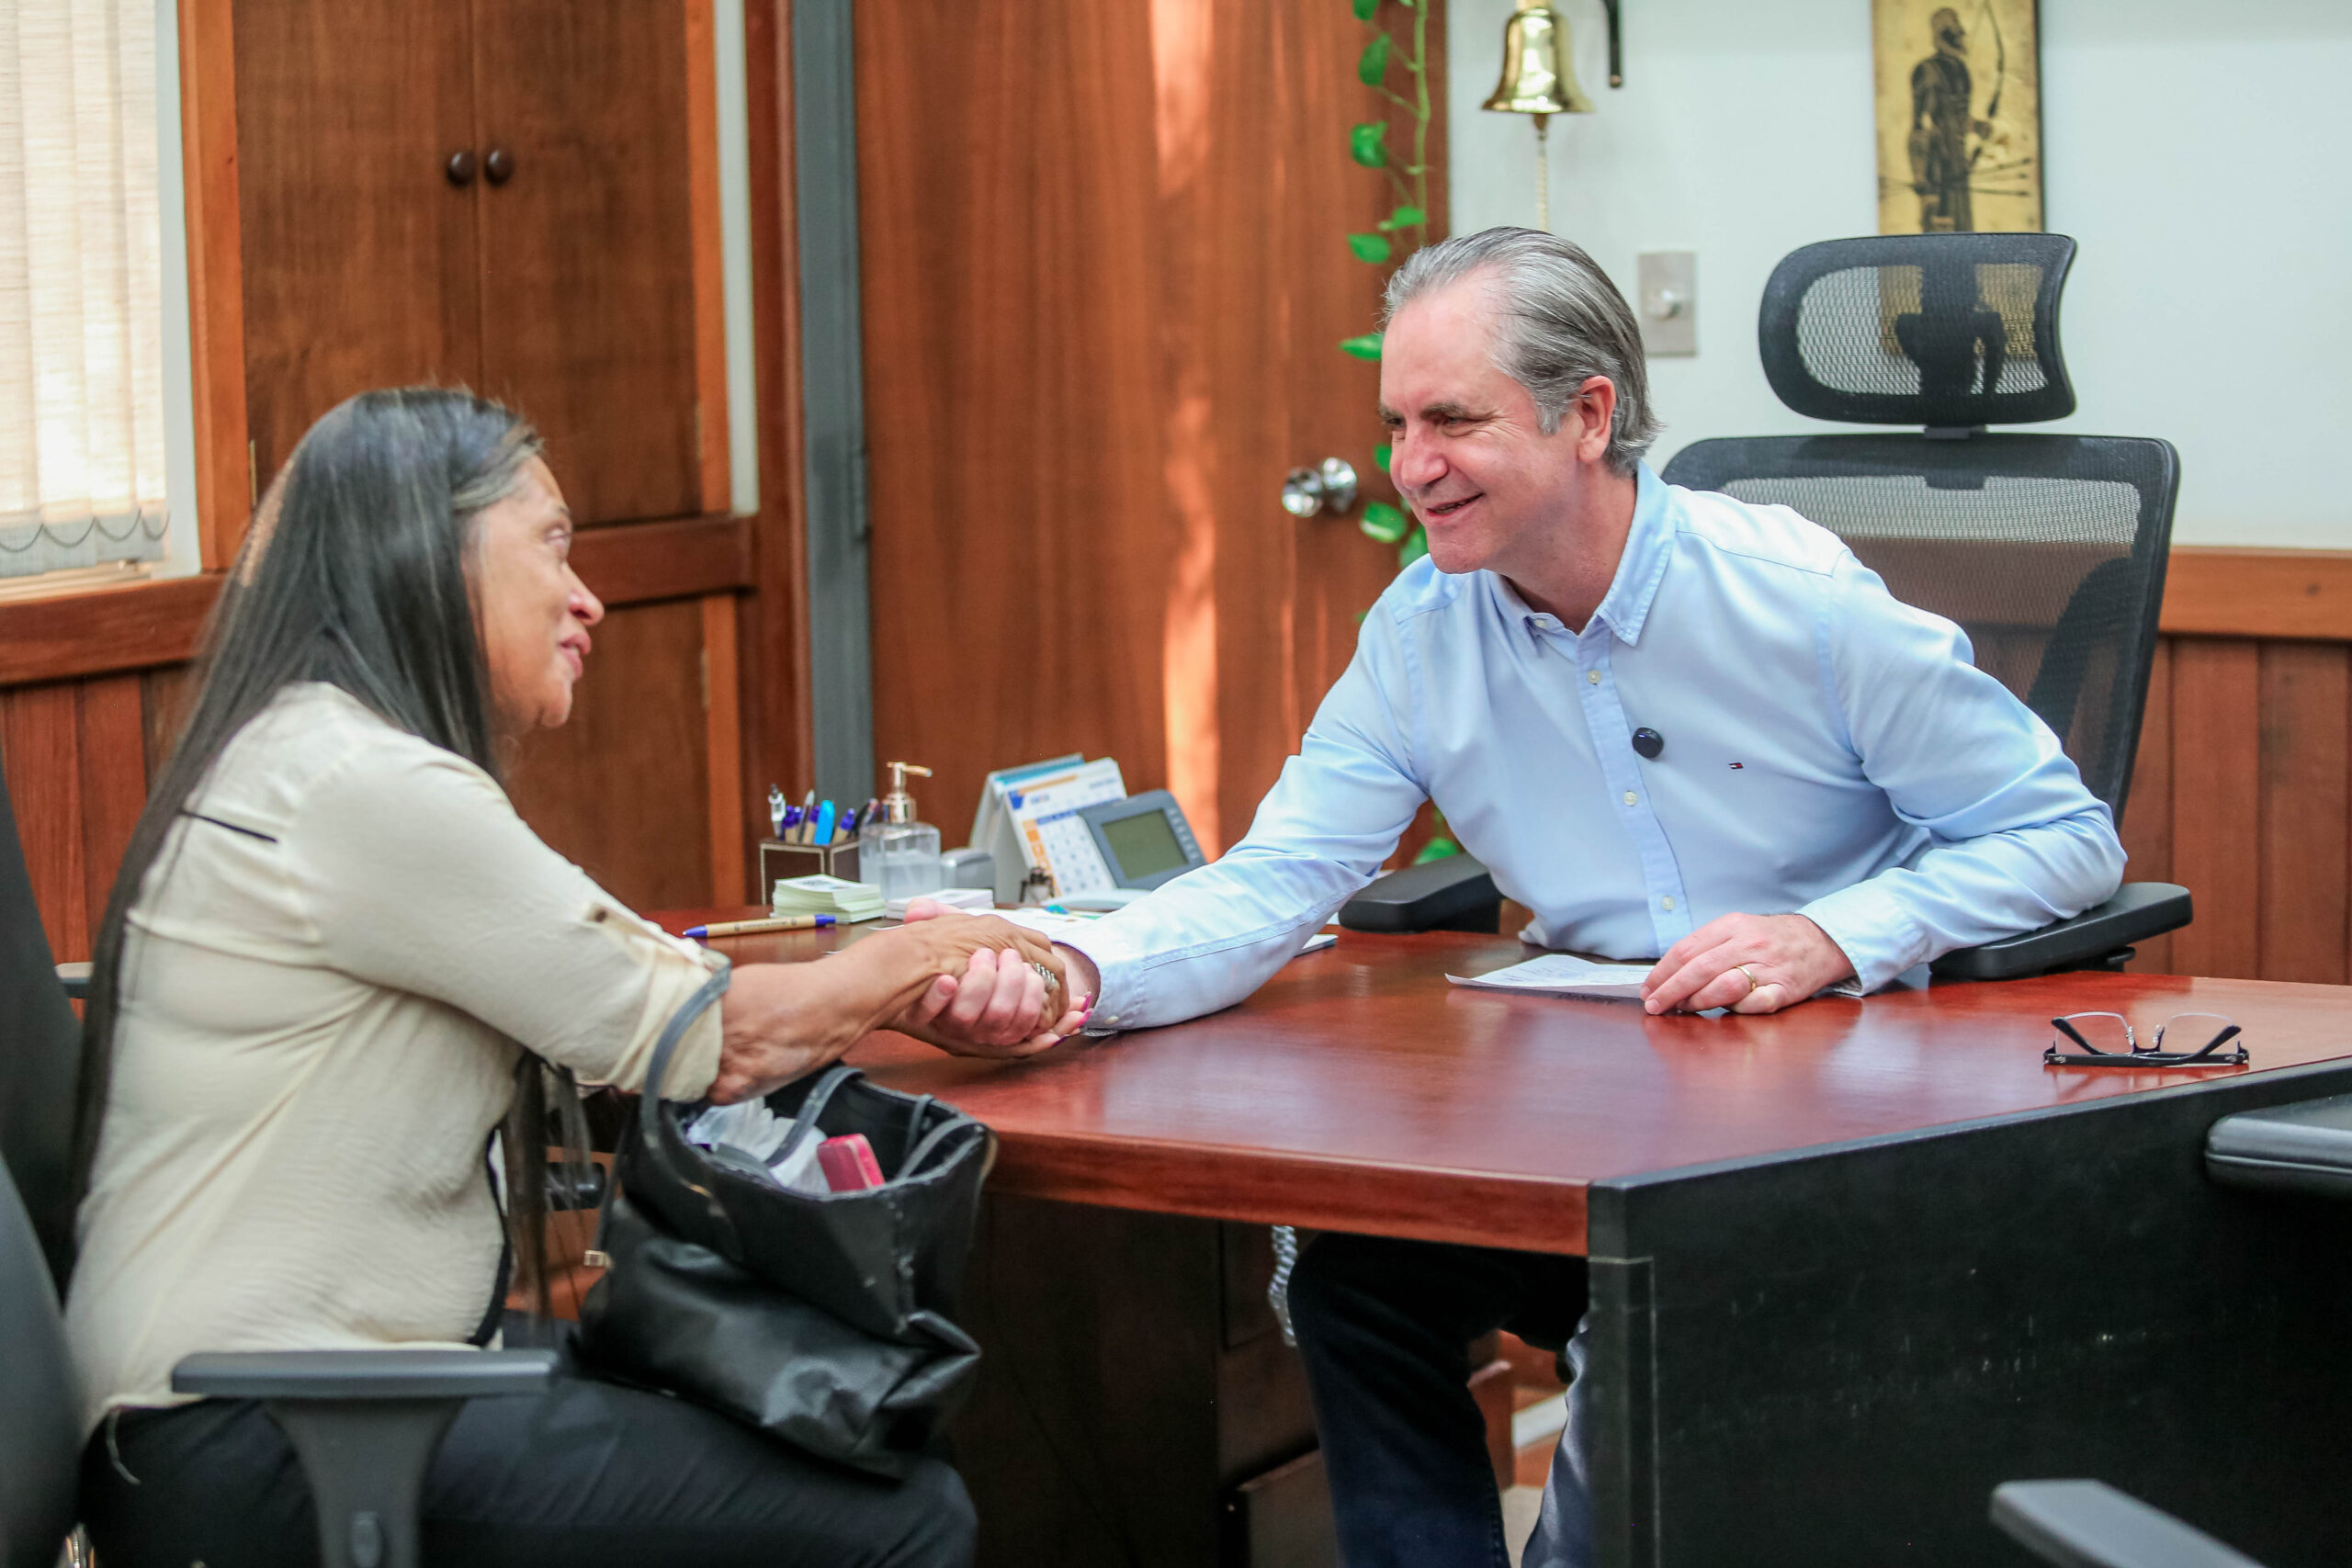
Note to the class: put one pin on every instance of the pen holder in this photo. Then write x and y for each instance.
(780, 862)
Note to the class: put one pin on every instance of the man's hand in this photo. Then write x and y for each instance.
(1746, 962)
(1001, 1005)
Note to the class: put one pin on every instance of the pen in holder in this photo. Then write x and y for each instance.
(811, 840)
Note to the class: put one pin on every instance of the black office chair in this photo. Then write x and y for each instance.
(2049, 550)
(365, 1422)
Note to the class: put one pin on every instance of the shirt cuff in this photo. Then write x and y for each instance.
(1877, 935)
(1122, 981)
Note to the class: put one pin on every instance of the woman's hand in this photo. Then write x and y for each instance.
(1004, 1004)
(964, 984)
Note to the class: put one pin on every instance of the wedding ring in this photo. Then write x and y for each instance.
(1751, 979)
(1045, 972)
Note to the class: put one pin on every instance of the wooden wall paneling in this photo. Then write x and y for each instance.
(708, 258)
(41, 748)
(622, 789)
(642, 561)
(723, 727)
(359, 254)
(587, 261)
(2306, 703)
(216, 274)
(775, 662)
(90, 633)
(2217, 591)
(1021, 552)
(2216, 772)
(112, 761)
(2146, 827)
(164, 694)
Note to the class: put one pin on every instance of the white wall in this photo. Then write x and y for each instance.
(2197, 149)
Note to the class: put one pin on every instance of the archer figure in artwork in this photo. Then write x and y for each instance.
(1941, 121)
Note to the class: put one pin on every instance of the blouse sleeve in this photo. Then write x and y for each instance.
(417, 875)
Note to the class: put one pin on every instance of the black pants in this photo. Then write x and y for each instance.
(1385, 1327)
(586, 1473)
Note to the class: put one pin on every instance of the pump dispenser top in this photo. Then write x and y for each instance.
(899, 805)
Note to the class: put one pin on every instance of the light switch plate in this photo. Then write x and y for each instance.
(1667, 302)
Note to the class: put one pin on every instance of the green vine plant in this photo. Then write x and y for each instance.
(1407, 228)
(1395, 237)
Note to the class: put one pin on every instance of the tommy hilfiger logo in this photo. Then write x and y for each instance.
(1739, 764)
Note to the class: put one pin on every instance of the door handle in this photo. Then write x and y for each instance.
(499, 166)
(1329, 486)
(459, 168)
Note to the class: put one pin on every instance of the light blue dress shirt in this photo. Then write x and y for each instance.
(1828, 749)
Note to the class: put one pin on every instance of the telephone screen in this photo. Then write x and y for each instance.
(1145, 844)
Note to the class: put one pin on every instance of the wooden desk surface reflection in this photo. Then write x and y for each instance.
(1358, 1091)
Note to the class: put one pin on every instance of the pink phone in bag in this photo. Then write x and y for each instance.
(849, 1164)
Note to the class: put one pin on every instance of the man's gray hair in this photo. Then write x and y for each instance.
(1558, 321)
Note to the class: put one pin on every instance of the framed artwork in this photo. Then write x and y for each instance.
(1958, 116)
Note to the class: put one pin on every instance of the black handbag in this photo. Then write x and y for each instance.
(820, 1319)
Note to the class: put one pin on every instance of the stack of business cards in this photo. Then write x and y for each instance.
(846, 901)
(973, 900)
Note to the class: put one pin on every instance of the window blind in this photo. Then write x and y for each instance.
(81, 296)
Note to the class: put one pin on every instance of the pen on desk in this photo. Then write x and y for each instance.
(753, 927)
(823, 832)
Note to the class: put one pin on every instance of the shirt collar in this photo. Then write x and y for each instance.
(1639, 571)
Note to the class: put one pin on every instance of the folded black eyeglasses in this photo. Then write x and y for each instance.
(2107, 1040)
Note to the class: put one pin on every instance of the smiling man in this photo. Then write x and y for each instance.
(1675, 727)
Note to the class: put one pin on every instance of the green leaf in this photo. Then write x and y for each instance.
(1416, 545)
(1380, 455)
(1384, 522)
(1365, 144)
(1403, 218)
(1371, 65)
(1364, 348)
(1440, 848)
(1372, 248)
(1365, 8)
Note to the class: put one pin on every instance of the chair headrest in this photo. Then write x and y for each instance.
(1937, 330)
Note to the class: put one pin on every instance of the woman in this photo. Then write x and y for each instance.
(331, 946)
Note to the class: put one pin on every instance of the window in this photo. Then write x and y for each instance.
(82, 438)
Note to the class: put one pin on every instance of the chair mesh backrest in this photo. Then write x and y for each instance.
(2048, 550)
(1943, 329)
(41, 1057)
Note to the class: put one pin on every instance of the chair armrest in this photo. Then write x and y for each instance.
(2305, 1147)
(1454, 894)
(2089, 1524)
(76, 978)
(2138, 912)
(363, 1374)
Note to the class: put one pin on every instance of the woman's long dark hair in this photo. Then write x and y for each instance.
(354, 573)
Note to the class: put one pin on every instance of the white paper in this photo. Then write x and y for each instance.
(1563, 975)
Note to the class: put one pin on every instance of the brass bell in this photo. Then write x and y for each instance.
(1539, 79)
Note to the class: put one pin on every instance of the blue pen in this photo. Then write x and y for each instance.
(753, 928)
(791, 821)
(824, 833)
(847, 825)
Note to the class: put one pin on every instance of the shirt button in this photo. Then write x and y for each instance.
(1666, 902)
(1109, 1018)
(1631, 797)
(1592, 677)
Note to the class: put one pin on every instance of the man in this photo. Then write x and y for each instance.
(1942, 93)
(1839, 797)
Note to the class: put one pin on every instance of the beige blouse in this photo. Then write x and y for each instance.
(325, 980)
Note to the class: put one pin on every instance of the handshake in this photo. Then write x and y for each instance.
(999, 989)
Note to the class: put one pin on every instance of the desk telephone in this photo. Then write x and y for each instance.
(1068, 828)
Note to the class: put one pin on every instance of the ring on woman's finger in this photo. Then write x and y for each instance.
(1045, 972)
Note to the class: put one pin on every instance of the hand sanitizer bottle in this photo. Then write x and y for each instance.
(895, 852)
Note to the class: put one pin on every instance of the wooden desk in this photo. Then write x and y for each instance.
(1852, 1264)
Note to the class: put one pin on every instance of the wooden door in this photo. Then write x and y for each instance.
(359, 254)
(1105, 273)
(588, 247)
